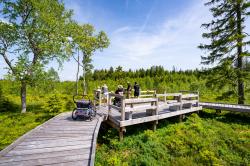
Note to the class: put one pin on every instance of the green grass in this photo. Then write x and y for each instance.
(210, 139)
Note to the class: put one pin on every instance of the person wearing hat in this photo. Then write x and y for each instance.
(105, 93)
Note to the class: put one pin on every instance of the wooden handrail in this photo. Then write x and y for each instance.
(148, 91)
(189, 91)
(168, 94)
(140, 100)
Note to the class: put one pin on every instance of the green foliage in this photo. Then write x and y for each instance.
(201, 140)
(56, 103)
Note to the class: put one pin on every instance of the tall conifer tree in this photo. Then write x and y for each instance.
(228, 44)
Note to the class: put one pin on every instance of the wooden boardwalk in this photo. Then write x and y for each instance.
(59, 141)
(224, 106)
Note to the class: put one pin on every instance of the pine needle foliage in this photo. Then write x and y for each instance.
(228, 43)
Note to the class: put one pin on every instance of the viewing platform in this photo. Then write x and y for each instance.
(150, 107)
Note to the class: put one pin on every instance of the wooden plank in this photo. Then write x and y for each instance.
(138, 120)
(94, 140)
(74, 163)
(148, 95)
(67, 132)
(46, 150)
(142, 108)
(228, 108)
(148, 91)
(140, 100)
(168, 94)
(49, 137)
(7, 159)
(51, 144)
(180, 112)
(35, 142)
(189, 96)
(115, 107)
(43, 134)
(55, 142)
(157, 117)
(47, 161)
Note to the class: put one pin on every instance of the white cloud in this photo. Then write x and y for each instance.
(174, 42)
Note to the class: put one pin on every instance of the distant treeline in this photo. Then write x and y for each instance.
(154, 78)
(154, 71)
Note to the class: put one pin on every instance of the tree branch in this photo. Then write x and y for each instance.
(8, 62)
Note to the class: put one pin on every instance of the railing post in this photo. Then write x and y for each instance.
(109, 104)
(100, 98)
(198, 99)
(180, 100)
(156, 114)
(122, 129)
(165, 97)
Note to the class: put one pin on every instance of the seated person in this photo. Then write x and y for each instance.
(117, 100)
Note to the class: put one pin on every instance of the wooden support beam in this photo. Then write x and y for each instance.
(180, 118)
(121, 133)
(165, 97)
(100, 99)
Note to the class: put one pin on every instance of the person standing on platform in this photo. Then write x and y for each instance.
(129, 89)
(136, 90)
(105, 93)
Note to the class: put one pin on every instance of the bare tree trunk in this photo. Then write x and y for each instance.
(241, 95)
(84, 82)
(23, 95)
(77, 74)
(84, 76)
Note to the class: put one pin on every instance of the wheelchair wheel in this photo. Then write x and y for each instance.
(74, 115)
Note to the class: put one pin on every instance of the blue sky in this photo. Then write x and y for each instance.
(142, 33)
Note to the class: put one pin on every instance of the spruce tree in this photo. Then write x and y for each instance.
(227, 46)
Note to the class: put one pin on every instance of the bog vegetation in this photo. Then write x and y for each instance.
(207, 138)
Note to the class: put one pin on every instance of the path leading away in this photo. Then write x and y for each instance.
(224, 106)
(59, 141)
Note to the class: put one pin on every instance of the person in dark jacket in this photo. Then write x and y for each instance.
(128, 90)
(117, 100)
(136, 90)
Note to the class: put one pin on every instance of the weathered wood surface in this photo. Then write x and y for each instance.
(224, 106)
(59, 141)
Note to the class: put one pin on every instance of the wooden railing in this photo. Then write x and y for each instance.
(148, 93)
(128, 106)
(180, 100)
(183, 99)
